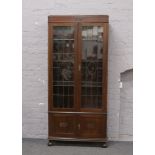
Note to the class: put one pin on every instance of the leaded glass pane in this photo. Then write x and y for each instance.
(91, 67)
(63, 66)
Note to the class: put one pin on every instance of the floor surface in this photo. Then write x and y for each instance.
(39, 147)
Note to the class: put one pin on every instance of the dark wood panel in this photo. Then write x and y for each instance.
(79, 139)
(77, 18)
(76, 113)
(62, 125)
(92, 126)
(105, 67)
(77, 126)
(95, 18)
(61, 19)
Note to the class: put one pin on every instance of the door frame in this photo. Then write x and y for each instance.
(50, 66)
(104, 66)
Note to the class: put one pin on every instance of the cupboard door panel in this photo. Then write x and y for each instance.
(92, 126)
(62, 125)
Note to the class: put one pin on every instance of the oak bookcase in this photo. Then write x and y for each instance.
(77, 78)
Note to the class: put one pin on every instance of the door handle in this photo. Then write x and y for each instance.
(79, 67)
(79, 126)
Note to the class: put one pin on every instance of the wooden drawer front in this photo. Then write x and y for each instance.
(62, 125)
(92, 126)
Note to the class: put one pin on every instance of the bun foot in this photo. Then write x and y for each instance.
(104, 145)
(50, 143)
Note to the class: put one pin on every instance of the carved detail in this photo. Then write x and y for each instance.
(63, 124)
(91, 125)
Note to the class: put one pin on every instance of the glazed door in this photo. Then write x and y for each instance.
(78, 67)
(92, 66)
(62, 66)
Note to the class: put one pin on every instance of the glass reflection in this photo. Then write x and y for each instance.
(63, 66)
(92, 53)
